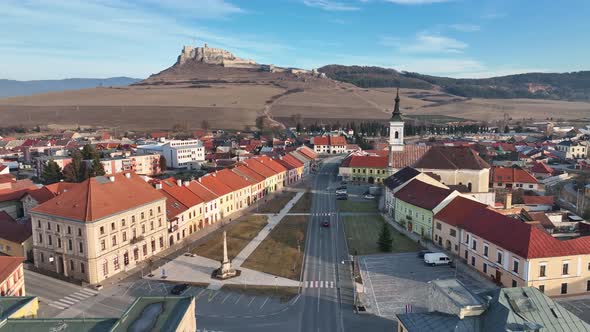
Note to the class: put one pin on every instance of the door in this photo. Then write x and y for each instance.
(498, 277)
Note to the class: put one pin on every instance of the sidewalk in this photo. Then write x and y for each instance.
(459, 264)
(273, 220)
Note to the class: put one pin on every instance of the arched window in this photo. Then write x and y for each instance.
(396, 135)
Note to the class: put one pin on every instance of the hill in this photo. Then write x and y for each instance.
(11, 88)
(573, 86)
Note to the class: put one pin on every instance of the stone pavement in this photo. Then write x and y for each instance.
(198, 270)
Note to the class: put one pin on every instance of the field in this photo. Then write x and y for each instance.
(362, 234)
(276, 204)
(239, 234)
(278, 253)
(232, 99)
(357, 206)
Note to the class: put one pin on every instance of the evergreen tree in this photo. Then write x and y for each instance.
(97, 169)
(162, 163)
(89, 153)
(51, 173)
(385, 241)
(72, 172)
(506, 129)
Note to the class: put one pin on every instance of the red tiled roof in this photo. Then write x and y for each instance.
(249, 173)
(173, 206)
(214, 184)
(459, 211)
(451, 157)
(401, 159)
(422, 194)
(234, 180)
(41, 195)
(544, 200)
(98, 197)
(285, 164)
(180, 193)
(60, 187)
(8, 265)
(307, 152)
(12, 231)
(272, 164)
(198, 189)
(292, 161)
(512, 175)
(541, 168)
(260, 168)
(365, 161)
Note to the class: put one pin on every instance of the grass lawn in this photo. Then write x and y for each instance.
(362, 234)
(358, 206)
(276, 204)
(278, 254)
(239, 234)
(303, 205)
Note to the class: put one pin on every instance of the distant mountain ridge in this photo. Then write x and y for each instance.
(574, 86)
(12, 88)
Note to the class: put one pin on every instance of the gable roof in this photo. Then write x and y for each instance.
(8, 264)
(329, 140)
(422, 194)
(400, 177)
(198, 189)
(214, 184)
(249, 173)
(99, 197)
(12, 231)
(234, 180)
(459, 211)
(307, 152)
(541, 168)
(512, 175)
(451, 157)
(259, 168)
(536, 200)
(272, 164)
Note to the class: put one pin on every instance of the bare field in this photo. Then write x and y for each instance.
(235, 105)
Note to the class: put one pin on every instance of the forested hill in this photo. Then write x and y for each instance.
(562, 86)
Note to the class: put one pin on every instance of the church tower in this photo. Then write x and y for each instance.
(396, 133)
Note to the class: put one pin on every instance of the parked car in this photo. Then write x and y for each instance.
(341, 188)
(423, 252)
(342, 197)
(341, 192)
(369, 196)
(325, 223)
(436, 258)
(179, 289)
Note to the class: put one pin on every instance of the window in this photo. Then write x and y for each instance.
(453, 233)
(38, 223)
(499, 258)
(48, 225)
(161, 242)
(132, 219)
(114, 240)
(81, 248)
(142, 216)
(542, 288)
(514, 283)
(59, 242)
(515, 266)
(82, 268)
(79, 231)
(474, 245)
(72, 265)
(112, 226)
(70, 245)
(69, 230)
(485, 250)
(42, 258)
(49, 240)
(151, 212)
(466, 254)
(58, 228)
(105, 267)
(588, 286)
(103, 245)
(485, 268)
(473, 260)
(144, 249)
(152, 225)
(438, 225)
(143, 229)
(542, 271)
(153, 245)
(124, 236)
(565, 269)
(467, 239)
(123, 222)
(159, 209)
(116, 263)
(40, 238)
(564, 288)
(101, 230)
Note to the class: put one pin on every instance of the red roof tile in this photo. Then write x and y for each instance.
(512, 175)
(543, 200)
(98, 197)
(234, 180)
(12, 231)
(214, 184)
(8, 265)
(451, 157)
(459, 211)
(272, 164)
(422, 194)
(249, 173)
(198, 189)
(541, 168)
(260, 168)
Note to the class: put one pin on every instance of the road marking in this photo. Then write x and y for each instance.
(57, 305)
(316, 284)
(89, 291)
(65, 300)
(331, 284)
(238, 300)
(79, 296)
(212, 297)
(264, 303)
(321, 284)
(228, 295)
(254, 298)
(201, 292)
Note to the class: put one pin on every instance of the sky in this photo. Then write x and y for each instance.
(55, 39)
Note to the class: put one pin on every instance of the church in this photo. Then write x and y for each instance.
(457, 166)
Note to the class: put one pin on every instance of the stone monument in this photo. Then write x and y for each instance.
(225, 271)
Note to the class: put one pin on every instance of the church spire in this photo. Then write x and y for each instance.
(396, 115)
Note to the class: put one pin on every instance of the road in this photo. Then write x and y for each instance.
(325, 249)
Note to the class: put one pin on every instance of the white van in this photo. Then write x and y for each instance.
(436, 258)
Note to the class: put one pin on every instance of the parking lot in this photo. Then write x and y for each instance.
(392, 281)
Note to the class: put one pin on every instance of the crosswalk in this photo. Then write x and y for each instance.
(318, 284)
(70, 300)
(323, 214)
(206, 330)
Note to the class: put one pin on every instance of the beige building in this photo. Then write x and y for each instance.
(99, 228)
(12, 278)
(511, 252)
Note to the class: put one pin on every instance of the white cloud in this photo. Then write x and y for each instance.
(465, 27)
(200, 8)
(416, 2)
(330, 5)
(432, 43)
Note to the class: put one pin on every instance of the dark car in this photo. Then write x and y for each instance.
(179, 289)
(423, 252)
(325, 223)
(341, 188)
(342, 197)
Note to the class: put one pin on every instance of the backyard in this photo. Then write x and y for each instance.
(239, 234)
(278, 253)
(362, 234)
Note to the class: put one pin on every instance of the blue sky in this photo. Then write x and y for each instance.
(52, 39)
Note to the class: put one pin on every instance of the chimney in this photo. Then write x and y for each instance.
(199, 179)
(186, 183)
(179, 182)
(508, 202)
(158, 185)
(128, 175)
(112, 178)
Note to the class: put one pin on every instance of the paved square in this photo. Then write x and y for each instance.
(393, 280)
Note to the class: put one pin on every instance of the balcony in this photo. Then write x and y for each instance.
(136, 239)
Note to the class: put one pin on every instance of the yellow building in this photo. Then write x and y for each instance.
(100, 227)
(511, 252)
